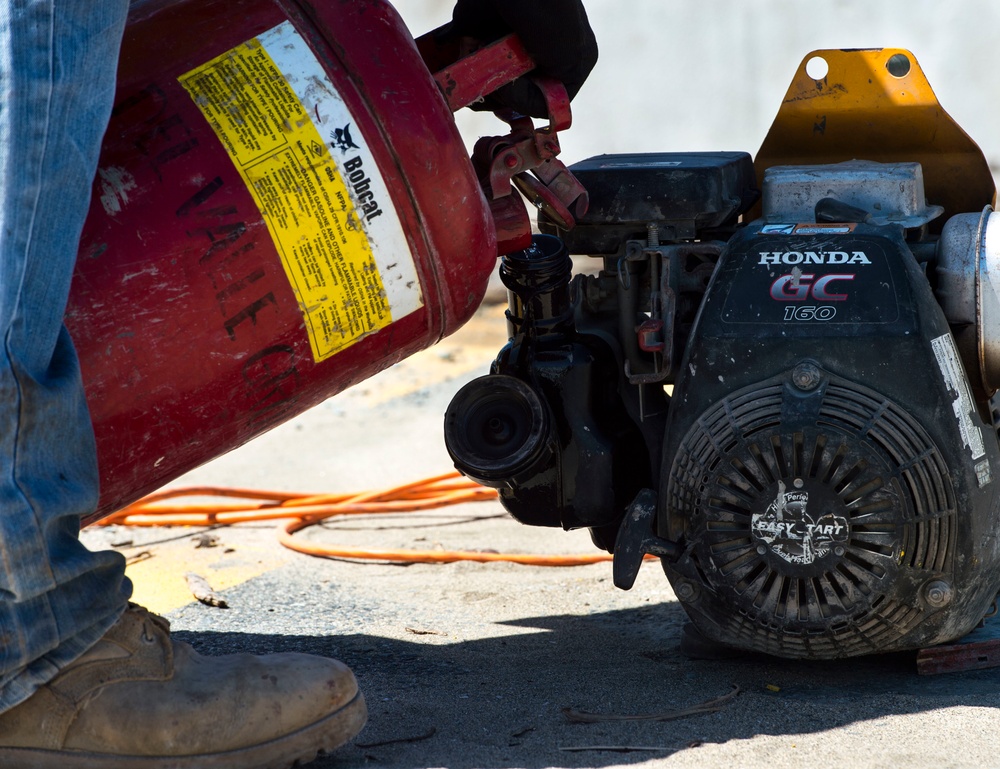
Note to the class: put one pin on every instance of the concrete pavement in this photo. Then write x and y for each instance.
(468, 665)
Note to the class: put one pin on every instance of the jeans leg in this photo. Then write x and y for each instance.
(57, 75)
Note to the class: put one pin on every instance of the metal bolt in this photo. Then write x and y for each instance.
(839, 551)
(761, 549)
(685, 591)
(806, 376)
(798, 483)
(938, 593)
(511, 161)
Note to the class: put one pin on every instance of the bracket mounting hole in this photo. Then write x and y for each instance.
(898, 65)
(817, 68)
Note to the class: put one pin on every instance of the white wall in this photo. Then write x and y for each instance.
(679, 75)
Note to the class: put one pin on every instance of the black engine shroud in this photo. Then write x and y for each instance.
(825, 464)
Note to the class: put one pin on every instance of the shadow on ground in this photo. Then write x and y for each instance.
(497, 702)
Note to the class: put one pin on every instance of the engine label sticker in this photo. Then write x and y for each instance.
(811, 279)
(314, 179)
(792, 533)
(962, 404)
(820, 228)
(777, 229)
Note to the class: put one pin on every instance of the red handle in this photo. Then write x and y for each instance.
(464, 80)
(469, 79)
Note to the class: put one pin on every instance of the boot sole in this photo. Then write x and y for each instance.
(287, 751)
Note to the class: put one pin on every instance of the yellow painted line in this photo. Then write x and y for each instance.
(159, 581)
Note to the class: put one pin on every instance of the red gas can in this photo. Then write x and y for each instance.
(283, 208)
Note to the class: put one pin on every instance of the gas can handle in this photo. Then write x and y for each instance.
(466, 79)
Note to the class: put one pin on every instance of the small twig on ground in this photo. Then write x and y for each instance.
(709, 706)
(142, 555)
(418, 738)
(422, 631)
(619, 748)
(201, 590)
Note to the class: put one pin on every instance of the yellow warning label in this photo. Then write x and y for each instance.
(300, 191)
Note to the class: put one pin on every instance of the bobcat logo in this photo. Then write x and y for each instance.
(342, 138)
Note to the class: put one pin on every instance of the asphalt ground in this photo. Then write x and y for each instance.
(467, 665)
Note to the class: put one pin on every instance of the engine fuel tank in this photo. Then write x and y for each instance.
(283, 207)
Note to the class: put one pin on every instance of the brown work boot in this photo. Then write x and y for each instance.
(142, 701)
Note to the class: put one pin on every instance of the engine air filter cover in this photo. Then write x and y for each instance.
(681, 193)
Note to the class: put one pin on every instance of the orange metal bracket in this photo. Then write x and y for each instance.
(877, 105)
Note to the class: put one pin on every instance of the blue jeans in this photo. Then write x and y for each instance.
(57, 76)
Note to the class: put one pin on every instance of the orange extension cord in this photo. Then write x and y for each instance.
(298, 511)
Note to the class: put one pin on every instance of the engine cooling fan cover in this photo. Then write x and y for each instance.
(812, 521)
